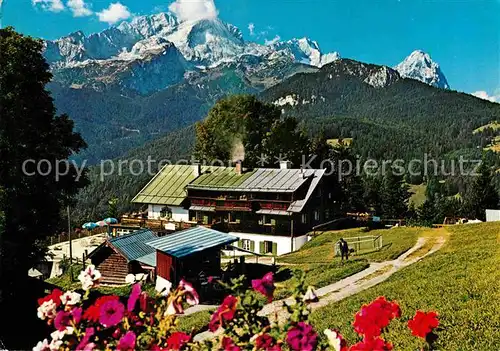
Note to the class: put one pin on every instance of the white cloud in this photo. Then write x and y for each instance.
(79, 8)
(194, 10)
(485, 96)
(114, 13)
(49, 5)
(251, 29)
(272, 41)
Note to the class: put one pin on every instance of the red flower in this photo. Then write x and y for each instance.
(265, 286)
(372, 318)
(55, 296)
(225, 312)
(371, 344)
(423, 323)
(177, 340)
(229, 345)
(93, 312)
(266, 342)
(302, 337)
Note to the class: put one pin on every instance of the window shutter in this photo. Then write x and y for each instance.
(273, 221)
(275, 249)
(252, 245)
(240, 243)
(262, 247)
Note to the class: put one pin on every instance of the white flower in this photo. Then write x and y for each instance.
(334, 339)
(57, 334)
(89, 277)
(170, 310)
(71, 298)
(130, 279)
(47, 310)
(310, 295)
(163, 286)
(140, 276)
(42, 346)
(55, 345)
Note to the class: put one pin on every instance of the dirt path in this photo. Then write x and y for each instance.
(430, 242)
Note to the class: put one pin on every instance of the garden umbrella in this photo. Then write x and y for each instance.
(110, 220)
(101, 224)
(89, 226)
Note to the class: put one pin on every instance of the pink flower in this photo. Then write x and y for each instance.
(265, 286)
(192, 297)
(111, 313)
(62, 320)
(177, 340)
(229, 345)
(302, 337)
(225, 312)
(134, 296)
(89, 332)
(210, 279)
(89, 277)
(267, 343)
(127, 342)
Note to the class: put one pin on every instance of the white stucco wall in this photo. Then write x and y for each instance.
(179, 214)
(284, 242)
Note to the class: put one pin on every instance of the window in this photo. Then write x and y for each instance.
(316, 215)
(327, 214)
(246, 244)
(267, 219)
(304, 218)
(268, 247)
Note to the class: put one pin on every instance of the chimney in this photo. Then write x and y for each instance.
(237, 168)
(196, 170)
(285, 165)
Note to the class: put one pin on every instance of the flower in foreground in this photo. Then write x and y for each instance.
(93, 312)
(89, 332)
(70, 298)
(266, 342)
(130, 279)
(371, 344)
(302, 337)
(189, 292)
(372, 318)
(177, 340)
(89, 277)
(111, 313)
(335, 340)
(225, 312)
(423, 323)
(42, 346)
(229, 345)
(48, 305)
(310, 295)
(127, 342)
(134, 296)
(265, 286)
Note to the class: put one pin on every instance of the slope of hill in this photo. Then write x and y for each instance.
(459, 282)
(387, 116)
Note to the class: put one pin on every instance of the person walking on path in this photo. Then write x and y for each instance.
(344, 249)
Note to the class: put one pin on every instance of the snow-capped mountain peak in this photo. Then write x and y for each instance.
(419, 65)
(306, 51)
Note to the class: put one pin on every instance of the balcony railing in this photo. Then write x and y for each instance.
(278, 229)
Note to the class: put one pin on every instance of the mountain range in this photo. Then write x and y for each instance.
(140, 79)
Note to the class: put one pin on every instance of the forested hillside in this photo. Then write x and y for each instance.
(401, 118)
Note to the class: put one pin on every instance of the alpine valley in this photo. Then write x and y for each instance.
(141, 79)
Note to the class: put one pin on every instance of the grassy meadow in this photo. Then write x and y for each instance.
(460, 282)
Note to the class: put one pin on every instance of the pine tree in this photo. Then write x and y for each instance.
(395, 196)
(483, 194)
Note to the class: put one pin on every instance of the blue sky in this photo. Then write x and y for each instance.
(462, 36)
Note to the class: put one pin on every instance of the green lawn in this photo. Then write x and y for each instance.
(197, 321)
(460, 282)
(316, 258)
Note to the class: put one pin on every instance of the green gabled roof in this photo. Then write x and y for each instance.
(221, 177)
(167, 186)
